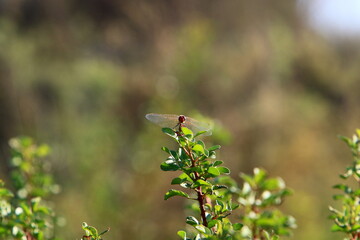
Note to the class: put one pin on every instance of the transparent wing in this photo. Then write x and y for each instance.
(163, 120)
(197, 126)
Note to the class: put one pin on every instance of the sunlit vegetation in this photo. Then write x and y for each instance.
(80, 75)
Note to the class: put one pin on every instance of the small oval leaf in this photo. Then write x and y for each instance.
(173, 192)
(214, 171)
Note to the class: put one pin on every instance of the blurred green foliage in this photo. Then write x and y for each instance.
(80, 75)
(27, 213)
(259, 198)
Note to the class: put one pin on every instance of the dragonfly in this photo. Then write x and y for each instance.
(173, 121)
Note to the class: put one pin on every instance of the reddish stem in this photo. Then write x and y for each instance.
(200, 195)
(29, 236)
(355, 236)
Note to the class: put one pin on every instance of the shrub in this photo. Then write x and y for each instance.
(216, 195)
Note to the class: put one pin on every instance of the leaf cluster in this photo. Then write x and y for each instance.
(24, 214)
(259, 196)
(347, 219)
(217, 196)
(91, 233)
(198, 167)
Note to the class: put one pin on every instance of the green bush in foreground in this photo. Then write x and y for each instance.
(222, 209)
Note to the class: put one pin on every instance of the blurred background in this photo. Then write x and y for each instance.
(279, 79)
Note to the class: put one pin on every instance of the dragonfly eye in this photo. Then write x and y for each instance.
(182, 119)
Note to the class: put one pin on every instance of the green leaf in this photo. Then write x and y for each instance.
(93, 232)
(247, 178)
(201, 182)
(187, 132)
(217, 208)
(259, 175)
(234, 206)
(224, 170)
(185, 176)
(213, 148)
(43, 150)
(35, 203)
(338, 196)
(169, 166)
(201, 228)
(357, 192)
(348, 141)
(176, 181)
(200, 133)
(346, 175)
(214, 171)
(181, 179)
(267, 235)
(43, 209)
(170, 132)
(26, 208)
(212, 223)
(198, 148)
(340, 186)
(89, 230)
(337, 228)
(357, 131)
(216, 187)
(355, 227)
(195, 169)
(273, 184)
(267, 222)
(286, 192)
(275, 237)
(237, 226)
(84, 225)
(217, 163)
(186, 185)
(173, 192)
(343, 187)
(103, 232)
(182, 234)
(206, 154)
(165, 149)
(192, 221)
(174, 154)
(5, 193)
(201, 143)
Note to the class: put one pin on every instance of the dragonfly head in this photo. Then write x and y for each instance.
(182, 119)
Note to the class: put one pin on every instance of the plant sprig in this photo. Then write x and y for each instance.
(208, 184)
(347, 220)
(91, 233)
(199, 168)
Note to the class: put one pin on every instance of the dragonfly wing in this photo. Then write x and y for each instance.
(172, 120)
(197, 126)
(163, 120)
